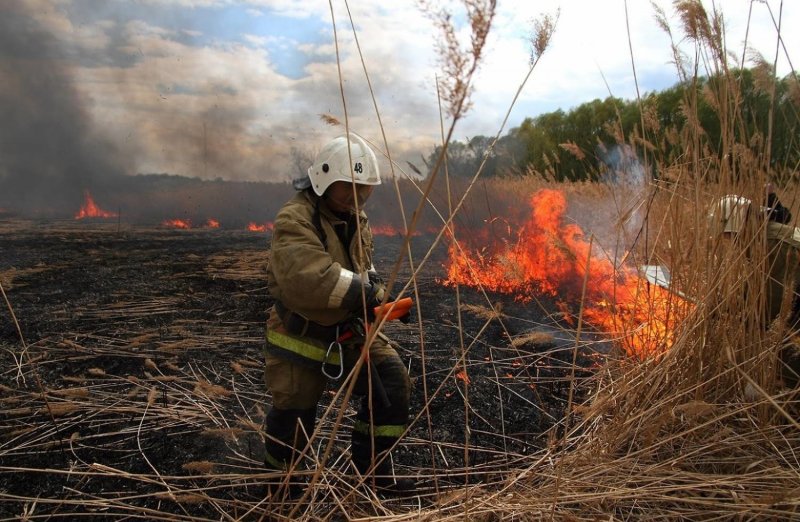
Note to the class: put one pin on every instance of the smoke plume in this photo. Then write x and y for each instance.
(49, 151)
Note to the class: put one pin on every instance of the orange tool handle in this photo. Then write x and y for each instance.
(401, 308)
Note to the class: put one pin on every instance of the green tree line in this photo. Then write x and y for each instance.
(575, 145)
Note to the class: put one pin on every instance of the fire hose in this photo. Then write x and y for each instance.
(391, 311)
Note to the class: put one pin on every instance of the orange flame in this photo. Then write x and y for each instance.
(177, 223)
(549, 257)
(256, 227)
(389, 230)
(91, 210)
(212, 223)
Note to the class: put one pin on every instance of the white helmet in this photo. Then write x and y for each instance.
(333, 164)
(729, 213)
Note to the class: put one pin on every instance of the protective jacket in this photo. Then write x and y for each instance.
(320, 266)
(310, 271)
(784, 233)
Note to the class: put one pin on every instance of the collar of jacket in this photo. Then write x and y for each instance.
(327, 212)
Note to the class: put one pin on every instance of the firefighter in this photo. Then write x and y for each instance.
(325, 286)
(734, 213)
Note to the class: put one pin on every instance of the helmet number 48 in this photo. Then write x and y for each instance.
(358, 168)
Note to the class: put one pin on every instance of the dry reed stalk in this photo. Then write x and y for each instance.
(653, 400)
(248, 265)
(203, 467)
(225, 433)
(462, 69)
(8, 276)
(483, 312)
(670, 438)
(211, 390)
(533, 338)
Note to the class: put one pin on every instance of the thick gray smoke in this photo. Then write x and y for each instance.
(49, 150)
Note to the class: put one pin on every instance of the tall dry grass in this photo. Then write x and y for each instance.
(709, 430)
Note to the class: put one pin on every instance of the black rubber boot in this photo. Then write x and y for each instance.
(376, 432)
(279, 491)
(383, 480)
(284, 441)
(281, 486)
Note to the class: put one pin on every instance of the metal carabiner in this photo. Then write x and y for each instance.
(327, 356)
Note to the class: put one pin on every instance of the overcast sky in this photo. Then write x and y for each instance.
(218, 88)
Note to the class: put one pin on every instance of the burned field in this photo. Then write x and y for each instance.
(138, 389)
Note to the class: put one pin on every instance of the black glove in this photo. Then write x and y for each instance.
(371, 293)
(353, 299)
(375, 277)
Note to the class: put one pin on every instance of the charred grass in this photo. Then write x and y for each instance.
(136, 388)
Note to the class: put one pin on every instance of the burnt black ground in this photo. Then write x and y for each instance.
(148, 345)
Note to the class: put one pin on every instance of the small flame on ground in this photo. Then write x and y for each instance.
(389, 230)
(91, 210)
(177, 223)
(547, 256)
(212, 223)
(259, 227)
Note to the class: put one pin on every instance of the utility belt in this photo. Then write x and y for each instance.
(297, 324)
(330, 360)
(312, 351)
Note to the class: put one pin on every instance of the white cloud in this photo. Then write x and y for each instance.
(257, 41)
(291, 8)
